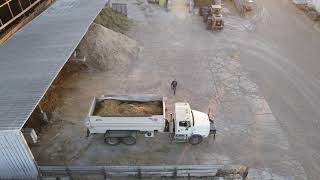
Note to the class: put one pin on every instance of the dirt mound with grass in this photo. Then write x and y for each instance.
(105, 49)
(115, 107)
(113, 20)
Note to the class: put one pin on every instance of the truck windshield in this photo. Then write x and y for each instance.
(192, 118)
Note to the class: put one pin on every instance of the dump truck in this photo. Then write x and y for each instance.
(121, 118)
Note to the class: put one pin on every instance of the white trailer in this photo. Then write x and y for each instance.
(185, 125)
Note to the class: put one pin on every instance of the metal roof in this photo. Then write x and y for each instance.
(31, 60)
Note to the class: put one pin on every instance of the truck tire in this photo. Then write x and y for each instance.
(209, 24)
(112, 141)
(195, 139)
(130, 140)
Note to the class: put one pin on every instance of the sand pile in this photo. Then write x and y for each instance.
(113, 20)
(105, 49)
(116, 107)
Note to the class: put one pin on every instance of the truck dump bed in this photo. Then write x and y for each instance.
(141, 113)
(113, 107)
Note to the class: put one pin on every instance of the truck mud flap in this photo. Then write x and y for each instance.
(213, 129)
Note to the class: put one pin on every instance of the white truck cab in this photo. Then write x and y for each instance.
(190, 125)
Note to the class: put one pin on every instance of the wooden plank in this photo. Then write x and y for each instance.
(157, 173)
(147, 171)
(18, 15)
(196, 173)
(6, 3)
(134, 168)
(20, 5)
(25, 21)
(169, 171)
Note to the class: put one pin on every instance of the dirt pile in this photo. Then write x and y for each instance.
(310, 11)
(113, 20)
(116, 107)
(105, 49)
(54, 96)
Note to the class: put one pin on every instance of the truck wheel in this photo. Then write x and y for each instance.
(209, 24)
(112, 141)
(130, 140)
(195, 139)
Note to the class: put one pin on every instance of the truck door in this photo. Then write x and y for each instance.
(182, 131)
(183, 119)
(184, 127)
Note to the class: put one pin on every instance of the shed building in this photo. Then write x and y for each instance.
(29, 62)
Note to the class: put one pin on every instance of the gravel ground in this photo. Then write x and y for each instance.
(254, 76)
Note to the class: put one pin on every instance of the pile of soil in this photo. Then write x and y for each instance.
(113, 20)
(105, 49)
(112, 107)
(35, 120)
(54, 96)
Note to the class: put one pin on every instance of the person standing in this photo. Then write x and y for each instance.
(174, 85)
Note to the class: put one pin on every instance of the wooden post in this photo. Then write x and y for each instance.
(20, 5)
(10, 10)
(44, 116)
(175, 173)
(69, 173)
(139, 173)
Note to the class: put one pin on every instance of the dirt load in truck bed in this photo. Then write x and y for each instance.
(112, 107)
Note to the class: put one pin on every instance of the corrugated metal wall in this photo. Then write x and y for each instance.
(16, 159)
